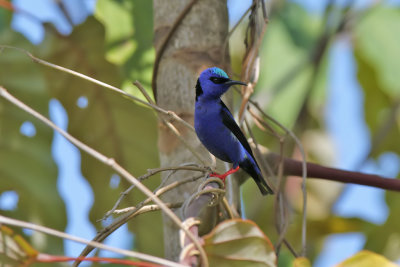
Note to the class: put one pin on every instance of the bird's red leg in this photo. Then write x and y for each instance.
(223, 176)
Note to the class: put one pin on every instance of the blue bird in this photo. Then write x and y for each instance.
(218, 131)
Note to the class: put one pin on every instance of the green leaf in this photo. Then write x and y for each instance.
(26, 164)
(279, 57)
(378, 107)
(239, 243)
(129, 40)
(377, 37)
(112, 124)
(376, 49)
(366, 259)
(302, 27)
(385, 238)
(118, 23)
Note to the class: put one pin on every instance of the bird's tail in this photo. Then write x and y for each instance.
(252, 169)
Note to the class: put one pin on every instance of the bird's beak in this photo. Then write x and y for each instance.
(232, 82)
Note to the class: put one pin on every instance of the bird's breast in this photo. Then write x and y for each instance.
(214, 135)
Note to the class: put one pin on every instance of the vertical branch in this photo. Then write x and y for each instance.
(164, 43)
(189, 36)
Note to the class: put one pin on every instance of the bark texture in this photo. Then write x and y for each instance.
(195, 45)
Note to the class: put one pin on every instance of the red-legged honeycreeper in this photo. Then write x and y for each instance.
(218, 131)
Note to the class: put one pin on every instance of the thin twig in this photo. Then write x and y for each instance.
(149, 173)
(265, 167)
(264, 10)
(171, 114)
(291, 249)
(173, 129)
(151, 103)
(207, 191)
(225, 45)
(279, 197)
(262, 124)
(304, 173)
(282, 223)
(147, 208)
(232, 213)
(304, 168)
(49, 231)
(143, 91)
(125, 218)
(251, 62)
(110, 162)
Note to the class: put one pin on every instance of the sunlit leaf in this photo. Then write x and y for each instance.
(279, 56)
(119, 29)
(129, 39)
(366, 259)
(302, 26)
(239, 243)
(377, 36)
(301, 262)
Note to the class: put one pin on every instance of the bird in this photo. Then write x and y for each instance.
(217, 130)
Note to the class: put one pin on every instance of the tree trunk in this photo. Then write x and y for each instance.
(196, 44)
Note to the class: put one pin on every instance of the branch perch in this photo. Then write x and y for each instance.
(294, 167)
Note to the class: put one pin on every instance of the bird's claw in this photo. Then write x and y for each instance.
(220, 176)
(224, 175)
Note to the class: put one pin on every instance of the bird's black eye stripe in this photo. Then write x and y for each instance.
(199, 90)
(219, 80)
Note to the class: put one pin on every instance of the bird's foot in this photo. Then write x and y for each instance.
(224, 175)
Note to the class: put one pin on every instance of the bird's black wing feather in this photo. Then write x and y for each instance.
(229, 122)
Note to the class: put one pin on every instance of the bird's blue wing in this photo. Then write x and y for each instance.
(230, 123)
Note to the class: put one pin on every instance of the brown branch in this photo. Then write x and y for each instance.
(65, 12)
(226, 42)
(293, 167)
(164, 43)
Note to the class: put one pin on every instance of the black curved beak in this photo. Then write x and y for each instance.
(232, 82)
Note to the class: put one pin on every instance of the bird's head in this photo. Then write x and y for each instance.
(213, 83)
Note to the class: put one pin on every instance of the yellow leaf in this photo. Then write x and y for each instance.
(301, 262)
(367, 259)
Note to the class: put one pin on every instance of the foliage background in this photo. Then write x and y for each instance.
(341, 107)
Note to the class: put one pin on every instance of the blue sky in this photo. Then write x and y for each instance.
(344, 121)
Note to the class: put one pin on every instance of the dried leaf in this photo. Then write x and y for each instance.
(239, 243)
